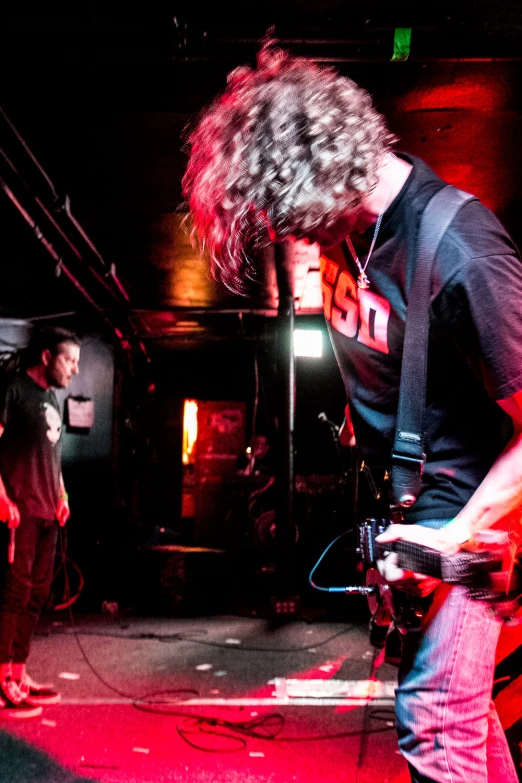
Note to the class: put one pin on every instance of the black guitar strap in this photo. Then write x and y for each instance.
(408, 455)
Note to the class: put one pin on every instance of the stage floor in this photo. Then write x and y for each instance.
(224, 686)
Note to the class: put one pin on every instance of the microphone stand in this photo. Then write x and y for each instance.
(354, 461)
(335, 430)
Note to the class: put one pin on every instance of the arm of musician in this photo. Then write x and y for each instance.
(8, 510)
(497, 498)
(346, 433)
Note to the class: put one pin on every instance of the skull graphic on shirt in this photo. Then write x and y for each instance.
(54, 423)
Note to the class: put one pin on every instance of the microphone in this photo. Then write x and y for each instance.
(324, 418)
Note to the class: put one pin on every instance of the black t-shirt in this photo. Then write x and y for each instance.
(30, 447)
(475, 344)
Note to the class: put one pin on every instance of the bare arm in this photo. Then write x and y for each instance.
(346, 433)
(9, 511)
(62, 510)
(63, 493)
(495, 503)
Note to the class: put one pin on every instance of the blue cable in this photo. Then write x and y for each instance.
(312, 572)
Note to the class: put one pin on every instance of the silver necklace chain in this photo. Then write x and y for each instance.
(363, 280)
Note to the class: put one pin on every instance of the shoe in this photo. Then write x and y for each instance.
(12, 704)
(36, 694)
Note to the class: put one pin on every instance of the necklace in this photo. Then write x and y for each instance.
(363, 280)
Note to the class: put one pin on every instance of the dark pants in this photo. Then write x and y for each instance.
(25, 585)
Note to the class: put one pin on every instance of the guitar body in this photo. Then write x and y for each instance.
(384, 632)
(380, 600)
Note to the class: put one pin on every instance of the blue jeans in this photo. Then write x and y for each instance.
(447, 725)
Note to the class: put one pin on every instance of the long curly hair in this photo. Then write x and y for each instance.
(287, 149)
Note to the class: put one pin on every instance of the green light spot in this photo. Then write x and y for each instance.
(401, 43)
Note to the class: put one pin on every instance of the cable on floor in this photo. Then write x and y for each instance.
(267, 727)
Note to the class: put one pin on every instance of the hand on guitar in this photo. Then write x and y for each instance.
(412, 582)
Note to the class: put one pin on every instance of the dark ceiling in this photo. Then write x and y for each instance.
(101, 91)
(160, 31)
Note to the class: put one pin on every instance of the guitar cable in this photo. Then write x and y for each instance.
(347, 589)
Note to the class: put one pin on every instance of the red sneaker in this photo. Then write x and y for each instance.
(36, 694)
(13, 705)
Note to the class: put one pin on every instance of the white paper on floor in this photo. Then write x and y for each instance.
(69, 676)
(330, 689)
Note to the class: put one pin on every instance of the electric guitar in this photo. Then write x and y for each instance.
(485, 574)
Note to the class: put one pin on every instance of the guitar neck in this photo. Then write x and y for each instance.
(414, 557)
(464, 568)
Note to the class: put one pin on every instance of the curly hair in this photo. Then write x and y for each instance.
(287, 149)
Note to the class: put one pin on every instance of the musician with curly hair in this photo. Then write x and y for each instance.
(290, 151)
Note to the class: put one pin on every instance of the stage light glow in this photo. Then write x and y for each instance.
(190, 430)
(308, 342)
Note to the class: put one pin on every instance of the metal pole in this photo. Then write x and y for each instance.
(285, 476)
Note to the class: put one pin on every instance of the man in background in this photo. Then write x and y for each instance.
(33, 503)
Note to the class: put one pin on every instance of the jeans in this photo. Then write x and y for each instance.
(25, 585)
(447, 725)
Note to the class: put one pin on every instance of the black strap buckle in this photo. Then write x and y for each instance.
(408, 461)
(407, 471)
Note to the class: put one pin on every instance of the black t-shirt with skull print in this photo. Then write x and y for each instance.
(30, 447)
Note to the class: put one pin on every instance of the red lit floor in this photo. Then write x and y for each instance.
(239, 673)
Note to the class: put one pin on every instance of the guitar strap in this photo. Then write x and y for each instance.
(408, 456)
